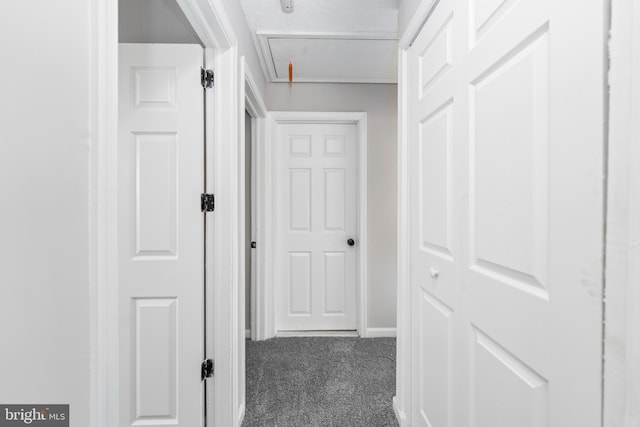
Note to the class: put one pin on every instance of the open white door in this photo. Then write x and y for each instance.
(506, 139)
(160, 235)
(317, 226)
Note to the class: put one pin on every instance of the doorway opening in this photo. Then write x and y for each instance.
(210, 22)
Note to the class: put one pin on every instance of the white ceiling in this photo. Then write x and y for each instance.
(351, 41)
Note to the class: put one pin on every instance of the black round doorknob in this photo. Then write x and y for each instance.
(351, 242)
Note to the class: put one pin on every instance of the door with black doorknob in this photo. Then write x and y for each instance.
(317, 226)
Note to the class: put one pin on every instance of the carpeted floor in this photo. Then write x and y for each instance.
(324, 381)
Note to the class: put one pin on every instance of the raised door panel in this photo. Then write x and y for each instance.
(335, 198)
(299, 199)
(508, 176)
(300, 145)
(154, 192)
(504, 391)
(335, 283)
(435, 365)
(508, 214)
(299, 282)
(154, 358)
(334, 145)
(435, 182)
(509, 169)
(487, 13)
(153, 88)
(436, 59)
(522, 302)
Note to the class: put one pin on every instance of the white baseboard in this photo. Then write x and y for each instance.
(371, 333)
(400, 415)
(247, 333)
(283, 334)
(381, 332)
(241, 415)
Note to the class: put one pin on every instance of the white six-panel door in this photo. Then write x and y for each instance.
(316, 210)
(506, 140)
(160, 238)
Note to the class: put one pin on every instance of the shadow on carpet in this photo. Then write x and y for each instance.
(320, 381)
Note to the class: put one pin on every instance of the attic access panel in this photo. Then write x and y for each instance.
(348, 58)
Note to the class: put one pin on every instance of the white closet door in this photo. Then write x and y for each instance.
(160, 235)
(317, 217)
(507, 110)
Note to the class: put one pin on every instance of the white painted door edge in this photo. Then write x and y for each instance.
(225, 235)
(402, 399)
(622, 280)
(419, 18)
(209, 60)
(265, 295)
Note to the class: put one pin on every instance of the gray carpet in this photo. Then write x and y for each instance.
(327, 381)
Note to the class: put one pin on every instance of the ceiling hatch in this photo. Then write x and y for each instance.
(330, 57)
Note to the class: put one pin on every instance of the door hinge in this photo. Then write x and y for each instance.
(207, 202)
(206, 78)
(206, 371)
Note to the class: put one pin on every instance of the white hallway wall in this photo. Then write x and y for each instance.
(44, 176)
(45, 275)
(154, 21)
(406, 12)
(162, 21)
(246, 45)
(380, 103)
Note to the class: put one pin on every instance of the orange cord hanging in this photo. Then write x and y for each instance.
(290, 74)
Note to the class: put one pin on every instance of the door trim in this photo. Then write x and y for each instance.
(419, 18)
(622, 269)
(211, 23)
(257, 109)
(266, 169)
(402, 400)
(103, 251)
(249, 100)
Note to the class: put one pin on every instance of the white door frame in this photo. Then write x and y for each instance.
(264, 297)
(249, 100)
(212, 24)
(622, 273)
(402, 400)
(257, 109)
(621, 380)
